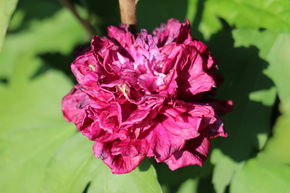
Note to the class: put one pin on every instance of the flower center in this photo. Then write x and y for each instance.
(92, 67)
(124, 88)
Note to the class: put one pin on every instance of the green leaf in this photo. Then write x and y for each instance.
(33, 103)
(253, 94)
(19, 64)
(224, 170)
(72, 167)
(189, 186)
(171, 180)
(31, 129)
(59, 33)
(31, 123)
(7, 7)
(25, 152)
(152, 13)
(279, 70)
(258, 176)
(276, 147)
(274, 47)
(141, 180)
(272, 14)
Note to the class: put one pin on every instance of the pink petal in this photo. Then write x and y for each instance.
(120, 157)
(194, 153)
(74, 107)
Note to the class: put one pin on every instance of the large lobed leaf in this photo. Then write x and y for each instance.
(31, 127)
(276, 149)
(74, 168)
(274, 47)
(38, 149)
(56, 34)
(250, 82)
(7, 7)
(255, 14)
(270, 164)
(141, 180)
(260, 176)
(253, 93)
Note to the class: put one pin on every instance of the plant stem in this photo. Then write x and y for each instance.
(128, 14)
(85, 22)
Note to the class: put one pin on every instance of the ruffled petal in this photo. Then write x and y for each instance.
(74, 106)
(194, 153)
(163, 143)
(121, 157)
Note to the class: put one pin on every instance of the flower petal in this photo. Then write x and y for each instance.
(194, 153)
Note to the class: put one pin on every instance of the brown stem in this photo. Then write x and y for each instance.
(128, 13)
(85, 22)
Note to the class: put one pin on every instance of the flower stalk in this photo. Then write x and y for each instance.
(128, 14)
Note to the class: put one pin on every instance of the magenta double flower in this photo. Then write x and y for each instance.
(146, 96)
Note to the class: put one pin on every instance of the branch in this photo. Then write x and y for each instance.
(85, 22)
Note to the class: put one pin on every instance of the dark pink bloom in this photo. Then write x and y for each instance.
(146, 96)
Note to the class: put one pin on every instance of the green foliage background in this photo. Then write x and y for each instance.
(41, 153)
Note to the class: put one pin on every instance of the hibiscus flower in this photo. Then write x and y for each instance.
(146, 95)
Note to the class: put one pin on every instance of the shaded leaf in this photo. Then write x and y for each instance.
(59, 33)
(171, 181)
(274, 47)
(253, 93)
(152, 13)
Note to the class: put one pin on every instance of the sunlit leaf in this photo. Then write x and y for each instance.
(274, 47)
(30, 131)
(6, 9)
(189, 186)
(72, 167)
(224, 170)
(279, 70)
(258, 176)
(276, 149)
(255, 14)
(141, 180)
(59, 33)
(31, 123)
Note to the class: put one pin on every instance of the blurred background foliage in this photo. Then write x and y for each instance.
(41, 153)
